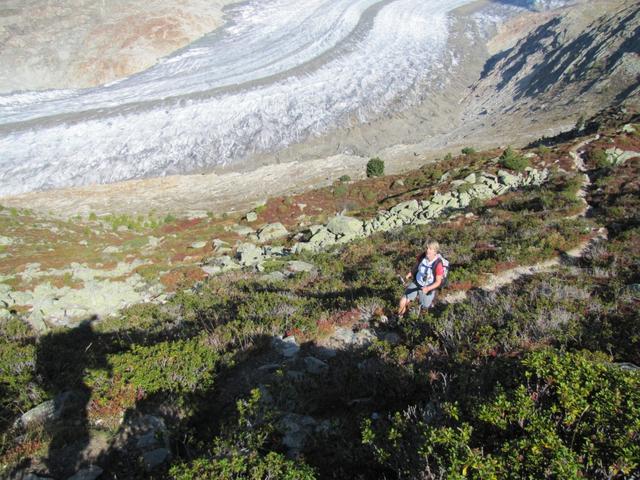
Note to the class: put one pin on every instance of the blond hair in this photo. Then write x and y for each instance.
(432, 244)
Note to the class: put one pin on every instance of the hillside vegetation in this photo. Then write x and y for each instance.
(305, 374)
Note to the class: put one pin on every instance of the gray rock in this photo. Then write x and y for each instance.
(241, 230)
(343, 225)
(220, 246)
(481, 191)
(471, 178)
(155, 458)
(296, 429)
(617, 156)
(322, 238)
(274, 277)
(315, 365)
(111, 249)
(392, 337)
(272, 231)
(464, 200)
(347, 337)
(90, 473)
(269, 367)
(410, 207)
(249, 254)
(275, 251)
(46, 413)
(21, 475)
(297, 266)
(196, 214)
(507, 179)
(628, 128)
(220, 265)
(153, 241)
(295, 375)
(287, 347)
(397, 183)
(251, 217)
(198, 245)
(122, 229)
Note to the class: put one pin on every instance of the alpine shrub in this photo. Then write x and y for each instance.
(375, 167)
(511, 160)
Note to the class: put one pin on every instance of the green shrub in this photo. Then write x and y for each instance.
(600, 158)
(375, 167)
(468, 151)
(240, 454)
(178, 366)
(564, 415)
(340, 190)
(345, 178)
(513, 161)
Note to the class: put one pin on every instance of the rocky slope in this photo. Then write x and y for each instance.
(570, 66)
(79, 43)
(283, 315)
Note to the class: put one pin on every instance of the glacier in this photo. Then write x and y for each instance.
(277, 73)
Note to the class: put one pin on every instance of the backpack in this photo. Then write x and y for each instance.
(445, 266)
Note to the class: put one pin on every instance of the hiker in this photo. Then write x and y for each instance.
(427, 275)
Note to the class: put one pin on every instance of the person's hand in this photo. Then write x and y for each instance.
(408, 276)
(425, 289)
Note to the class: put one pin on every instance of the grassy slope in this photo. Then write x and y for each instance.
(423, 406)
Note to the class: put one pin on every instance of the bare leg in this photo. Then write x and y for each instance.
(402, 308)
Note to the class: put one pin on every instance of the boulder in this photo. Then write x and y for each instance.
(271, 232)
(274, 277)
(297, 266)
(220, 246)
(90, 473)
(346, 337)
(154, 458)
(220, 265)
(507, 179)
(617, 156)
(198, 245)
(315, 365)
(47, 412)
(323, 238)
(6, 241)
(287, 347)
(249, 254)
(481, 191)
(410, 206)
(343, 225)
(296, 429)
(241, 230)
(628, 128)
(251, 217)
(464, 200)
(271, 251)
(153, 242)
(471, 178)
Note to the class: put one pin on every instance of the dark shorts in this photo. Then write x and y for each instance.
(414, 291)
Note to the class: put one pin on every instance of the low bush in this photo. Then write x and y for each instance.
(468, 151)
(242, 452)
(564, 415)
(375, 167)
(513, 161)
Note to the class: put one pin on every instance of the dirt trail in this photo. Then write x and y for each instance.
(506, 277)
